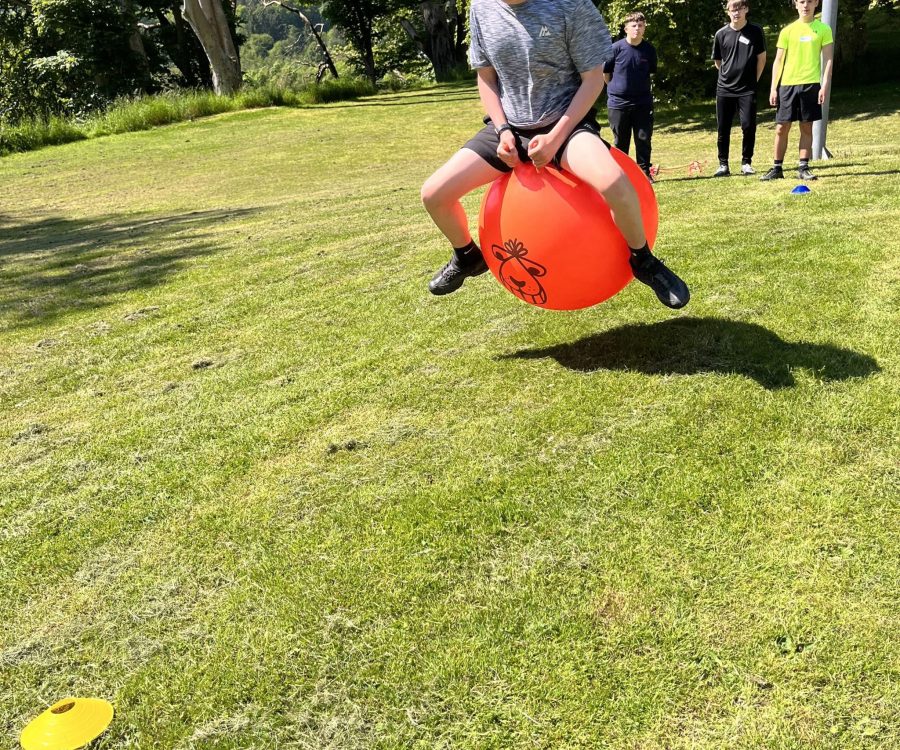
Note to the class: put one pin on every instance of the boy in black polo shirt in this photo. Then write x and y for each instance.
(629, 96)
(739, 52)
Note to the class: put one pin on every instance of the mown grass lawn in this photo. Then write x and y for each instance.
(261, 490)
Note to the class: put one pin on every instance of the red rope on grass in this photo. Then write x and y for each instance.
(694, 169)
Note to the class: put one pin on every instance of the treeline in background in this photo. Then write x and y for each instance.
(75, 58)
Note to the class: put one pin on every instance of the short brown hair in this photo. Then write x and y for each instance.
(736, 4)
(635, 16)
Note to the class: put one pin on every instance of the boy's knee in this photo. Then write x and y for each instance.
(430, 193)
(620, 191)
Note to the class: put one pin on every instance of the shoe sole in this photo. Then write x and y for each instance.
(665, 300)
(668, 303)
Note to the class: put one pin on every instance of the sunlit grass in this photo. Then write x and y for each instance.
(259, 489)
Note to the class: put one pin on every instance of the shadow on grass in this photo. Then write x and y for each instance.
(855, 104)
(690, 346)
(405, 101)
(884, 173)
(51, 266)
(790, 173)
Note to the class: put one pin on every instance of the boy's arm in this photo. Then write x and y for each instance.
(827, 58)
(489, 93)
(544, 147)
(760, 65)
(777, 67)
(761, 55)
(609, 67)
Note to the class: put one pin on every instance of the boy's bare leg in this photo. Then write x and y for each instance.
(782, 130)
(464, 172)
(806, 140)
(586, 157)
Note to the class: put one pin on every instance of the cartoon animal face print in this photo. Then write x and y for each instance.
(518, 273)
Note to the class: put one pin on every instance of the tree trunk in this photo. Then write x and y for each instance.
(439, 40)
(439, 44)
(368, 56)
(136, 43)
(460, 15)
(208, 21)
(329, 63)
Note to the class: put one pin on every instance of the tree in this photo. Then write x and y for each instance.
(682, 32)
(358, 20)
(209, 22)
(173, 41)
(851, 37)
(441, 36)
(329, 63)
(62, 57)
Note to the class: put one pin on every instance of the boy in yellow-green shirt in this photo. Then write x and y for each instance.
(799, 84)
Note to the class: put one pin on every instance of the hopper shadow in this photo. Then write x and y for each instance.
(691, 346)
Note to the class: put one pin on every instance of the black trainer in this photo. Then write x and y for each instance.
(775, 173)
(804, 174)
(454, 273)
(650, 270)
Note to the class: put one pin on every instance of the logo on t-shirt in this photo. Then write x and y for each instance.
(805, 38)
(544, 31)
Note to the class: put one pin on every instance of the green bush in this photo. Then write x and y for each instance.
(338, 89)
(32, 134)
(131, 114)
(397, 81)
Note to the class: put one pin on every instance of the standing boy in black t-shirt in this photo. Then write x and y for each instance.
(629, 96)
(739, 52)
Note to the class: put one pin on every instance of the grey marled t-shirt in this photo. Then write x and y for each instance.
(538, 48)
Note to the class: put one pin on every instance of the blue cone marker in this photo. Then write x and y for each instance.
(800, 190)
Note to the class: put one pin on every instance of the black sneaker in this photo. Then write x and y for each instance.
(650, 270)
(775, 173)
(453, 274)
(804, 174)
(722, 171)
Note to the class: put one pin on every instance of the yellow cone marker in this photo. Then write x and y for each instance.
(67, 725)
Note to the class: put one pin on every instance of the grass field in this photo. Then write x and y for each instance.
(261, 490)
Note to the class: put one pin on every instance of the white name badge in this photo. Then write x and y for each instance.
(805, 38)
(743, 40)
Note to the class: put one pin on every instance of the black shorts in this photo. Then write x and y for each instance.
(800, 102)
(485, 141)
